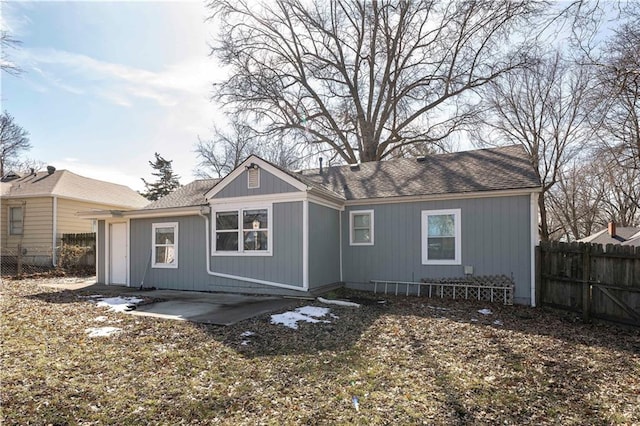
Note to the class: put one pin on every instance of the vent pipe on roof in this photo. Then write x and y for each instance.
(320, 160)
(51, 169)
(612, 229)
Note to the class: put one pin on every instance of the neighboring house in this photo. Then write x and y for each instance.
(613, 234)
(35, 210)
(265, 230)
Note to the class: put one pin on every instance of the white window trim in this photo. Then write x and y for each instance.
(10, 224)
(154, 226)
(352, 213)
(240, 208)
(458, 237)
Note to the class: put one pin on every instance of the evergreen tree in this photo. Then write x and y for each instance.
(167, 180)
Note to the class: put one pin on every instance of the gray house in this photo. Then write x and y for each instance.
(265, 230)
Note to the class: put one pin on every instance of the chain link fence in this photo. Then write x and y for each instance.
(73, 259)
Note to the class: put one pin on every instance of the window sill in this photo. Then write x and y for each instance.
(162, 266)
(442, 262)
(242, 254)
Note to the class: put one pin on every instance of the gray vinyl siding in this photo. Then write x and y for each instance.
(495, 240)
(100, 252)
(324, 245)
(285, 266)
(269, 184)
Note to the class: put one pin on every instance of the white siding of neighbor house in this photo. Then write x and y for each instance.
(37, 236)
(37, 232)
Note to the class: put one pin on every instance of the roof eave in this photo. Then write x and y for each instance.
(444, 196)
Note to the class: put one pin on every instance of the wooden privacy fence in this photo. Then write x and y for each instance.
(78, 249)
(601, 282)
(87, 239)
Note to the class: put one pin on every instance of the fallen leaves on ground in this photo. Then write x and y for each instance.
(406, 361)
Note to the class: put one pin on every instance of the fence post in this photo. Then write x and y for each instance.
(19, 261)
(586, 285)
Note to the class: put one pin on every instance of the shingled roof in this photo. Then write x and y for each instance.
(454, 173)
(192, 194)
(65, 184)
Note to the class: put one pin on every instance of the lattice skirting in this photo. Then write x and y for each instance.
(489, 288)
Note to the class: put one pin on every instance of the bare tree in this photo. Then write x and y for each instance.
(574, 204)
(616, 103)
(230, 147)
(7, 42)
(621, 189)
(542, 109)
(225, 152)
(364, 79)
(13, 141)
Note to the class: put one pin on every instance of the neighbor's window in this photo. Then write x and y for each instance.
(248, 235)
(361, 227)
(165, 245)
(15, 220)
(441, 240)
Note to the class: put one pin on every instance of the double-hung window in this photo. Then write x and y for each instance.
(243, 231)
(164, 252)
(361, 228)
(15, 220)
(441, 239)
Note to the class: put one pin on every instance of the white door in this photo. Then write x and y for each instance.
(118, 253)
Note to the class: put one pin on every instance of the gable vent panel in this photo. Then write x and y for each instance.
(253, 178)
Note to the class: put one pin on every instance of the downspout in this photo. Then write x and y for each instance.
(236, 277)
(535, 236)
(305, 243)
(55, 229)
(340, 241)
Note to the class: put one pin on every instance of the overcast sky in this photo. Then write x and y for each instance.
(107, 84)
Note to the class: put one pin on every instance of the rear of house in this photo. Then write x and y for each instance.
(265, 230)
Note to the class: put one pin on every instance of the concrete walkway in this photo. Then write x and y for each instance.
(201, 307)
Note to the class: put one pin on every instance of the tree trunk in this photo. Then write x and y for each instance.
(544, 227)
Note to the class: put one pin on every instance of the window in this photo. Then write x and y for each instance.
(15, 220)
(441, 240)
(361, 227)
(165, 245)
(243, 230)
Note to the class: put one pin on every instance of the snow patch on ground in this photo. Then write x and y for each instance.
(118, 304)
(485, 311)
(338, 302)
(102, 331)
(245, 341)
(100, 319)
(306, 313)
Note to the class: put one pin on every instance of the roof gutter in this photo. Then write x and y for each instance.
(204, 212)
(440, 197)
(173, 211)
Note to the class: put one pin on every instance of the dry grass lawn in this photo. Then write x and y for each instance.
(408, 361)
